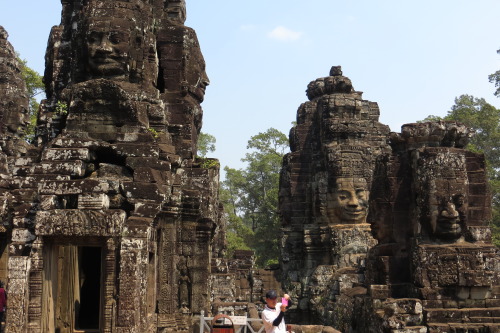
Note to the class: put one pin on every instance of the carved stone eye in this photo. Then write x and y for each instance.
(93, 38)
(114, 38)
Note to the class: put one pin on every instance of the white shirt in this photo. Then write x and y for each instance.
(268, 315)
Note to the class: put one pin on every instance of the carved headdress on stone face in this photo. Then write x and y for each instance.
(350, 137)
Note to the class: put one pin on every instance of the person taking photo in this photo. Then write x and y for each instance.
(274, 311)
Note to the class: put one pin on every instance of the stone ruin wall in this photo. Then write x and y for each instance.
(384, 232)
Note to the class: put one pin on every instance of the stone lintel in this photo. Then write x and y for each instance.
(72, 222)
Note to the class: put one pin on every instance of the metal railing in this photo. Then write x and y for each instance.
(245, 327)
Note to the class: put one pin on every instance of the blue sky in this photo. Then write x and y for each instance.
(412, 57)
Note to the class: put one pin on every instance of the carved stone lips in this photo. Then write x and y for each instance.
(104, 60)
(355, 212)
(449, 221)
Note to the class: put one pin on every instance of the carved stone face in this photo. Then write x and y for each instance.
(108, 48)
(348, 202)
(196, 76)
(16, 119)
(448, 216)
(441, 187)
(448, 221)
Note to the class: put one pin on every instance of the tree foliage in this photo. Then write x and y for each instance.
(484, 118)
(206, 144)
(35, 87)
(238, 233)
(495, 78)
(252, 196)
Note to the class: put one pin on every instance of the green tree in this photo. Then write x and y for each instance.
(35, 87)
(495, 78)
(484, 118)
(206, 144)
(238, 235)
(253, 193)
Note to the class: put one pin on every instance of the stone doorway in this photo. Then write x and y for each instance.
(90, 263)
(72, 288)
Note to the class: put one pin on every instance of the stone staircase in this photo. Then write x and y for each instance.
(463, 320)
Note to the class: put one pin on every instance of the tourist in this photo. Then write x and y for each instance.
(273, 314)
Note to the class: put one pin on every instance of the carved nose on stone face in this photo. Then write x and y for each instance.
(105, 46)
(450, 211)
(353, 201)
(203, 82)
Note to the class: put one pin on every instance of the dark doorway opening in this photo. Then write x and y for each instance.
(87, 312)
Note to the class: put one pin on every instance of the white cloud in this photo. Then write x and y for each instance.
(284, 34)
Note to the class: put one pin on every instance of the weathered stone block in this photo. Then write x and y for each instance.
(25, 160)
(72, 168)
(138, 162)
(137, 150)
(73, 187)
(492, 303)
(146, 208)
(97, 201)
(413, 329)
(22, 235)
(480, 293)
(48, 202)
(445, 315)
(65, 154)
(75, 142)
(145, 191)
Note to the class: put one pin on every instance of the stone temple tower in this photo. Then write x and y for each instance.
(324, 192)
(110, 218)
